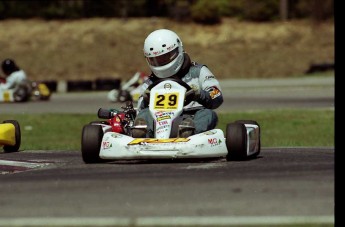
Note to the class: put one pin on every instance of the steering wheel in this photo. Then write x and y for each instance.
(189, 91)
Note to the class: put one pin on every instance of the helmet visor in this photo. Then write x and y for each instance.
(163, 59)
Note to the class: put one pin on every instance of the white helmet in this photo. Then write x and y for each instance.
(164, 53)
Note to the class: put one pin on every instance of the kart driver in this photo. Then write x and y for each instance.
(165, 55)
(14, 76)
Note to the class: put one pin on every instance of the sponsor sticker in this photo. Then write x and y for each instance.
(116, 135)
(167, 86)
(106, 145)
(157, 141)
(209, 77)
(214, 93)
(211, 132)
(214, 142)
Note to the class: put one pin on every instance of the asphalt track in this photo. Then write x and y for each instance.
(261, 94)
(281, 186)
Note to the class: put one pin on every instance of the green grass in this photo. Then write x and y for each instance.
(279, 128)
(290, 128)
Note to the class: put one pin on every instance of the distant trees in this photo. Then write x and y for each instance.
(200, 11)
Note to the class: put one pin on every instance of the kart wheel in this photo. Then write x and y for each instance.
(253, 123)
(21, 94)
(91, 143)
(124, 96)
(236, 141)
(17, 133)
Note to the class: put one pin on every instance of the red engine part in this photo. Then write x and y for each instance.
(116, 123)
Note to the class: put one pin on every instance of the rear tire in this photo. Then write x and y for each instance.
(99, 122)
(236, 141)
(14, 148)
(91, 143)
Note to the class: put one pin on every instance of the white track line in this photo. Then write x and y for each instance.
(8, 166)
(168, 221)
(20, 164)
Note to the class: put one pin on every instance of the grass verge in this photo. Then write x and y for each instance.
(279, 128)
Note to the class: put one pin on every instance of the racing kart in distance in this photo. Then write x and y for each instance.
(129, 90)
(111, 139)
(10, 135)
(26, 91)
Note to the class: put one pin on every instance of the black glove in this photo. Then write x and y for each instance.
(193, 95)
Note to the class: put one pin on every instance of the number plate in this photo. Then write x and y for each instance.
(168, 101)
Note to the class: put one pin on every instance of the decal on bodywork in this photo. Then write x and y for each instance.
(106, 145)
(214, 142)
(210, 132)
(214, 92)
(157, 141)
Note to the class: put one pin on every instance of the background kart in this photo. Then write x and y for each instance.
(10, 135)
(29, 90)
(129, 90)
(112, 139)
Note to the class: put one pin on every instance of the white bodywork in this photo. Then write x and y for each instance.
(203, 145)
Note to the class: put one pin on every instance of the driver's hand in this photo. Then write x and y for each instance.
(197, 94)
(193, 95)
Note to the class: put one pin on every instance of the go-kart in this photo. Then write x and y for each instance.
(111, 139)
(26, 91)
(129, 90)
(40, 91)
(10, 135)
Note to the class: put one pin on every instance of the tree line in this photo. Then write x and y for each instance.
(200, 11)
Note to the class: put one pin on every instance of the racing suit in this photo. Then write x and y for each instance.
(210, 97)
(13, 80)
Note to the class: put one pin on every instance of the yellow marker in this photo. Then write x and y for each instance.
(7, 96)
(7, 134)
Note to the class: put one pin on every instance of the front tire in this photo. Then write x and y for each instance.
(253, 123)
(236, 141)
(91, 143)
(17, 133)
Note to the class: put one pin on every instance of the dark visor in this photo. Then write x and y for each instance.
(163, 59)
